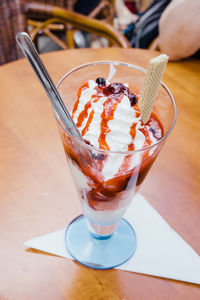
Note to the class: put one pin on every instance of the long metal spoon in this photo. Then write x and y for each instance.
(31, 54)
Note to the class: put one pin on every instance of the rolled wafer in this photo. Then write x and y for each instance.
(151, 85)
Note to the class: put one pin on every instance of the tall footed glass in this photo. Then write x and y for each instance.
(107, 181)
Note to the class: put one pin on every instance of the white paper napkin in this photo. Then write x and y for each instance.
(160, 250)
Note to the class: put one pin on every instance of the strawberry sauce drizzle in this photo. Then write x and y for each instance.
(83, 115)
(110, 106)
(132, 131)
(83, 87)
(148, 140)
(126, 165)
(75, 108)
(85, 129)
(133, 134)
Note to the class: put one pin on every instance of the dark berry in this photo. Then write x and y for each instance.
(116, 88)
(98, 156)
(133, 98)
(152, 130)
(101, 81)
(156, 133)
(126, 90)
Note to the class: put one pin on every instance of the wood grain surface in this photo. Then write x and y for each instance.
(37, 195)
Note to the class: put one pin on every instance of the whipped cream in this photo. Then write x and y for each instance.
(91, 108)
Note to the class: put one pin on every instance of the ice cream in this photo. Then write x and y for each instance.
(108, 118)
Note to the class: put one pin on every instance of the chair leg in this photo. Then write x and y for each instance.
(54, 38)
(70, 36)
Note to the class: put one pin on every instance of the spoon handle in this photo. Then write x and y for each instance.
(31, 54)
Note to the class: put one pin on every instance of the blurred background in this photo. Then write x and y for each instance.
(64, 24)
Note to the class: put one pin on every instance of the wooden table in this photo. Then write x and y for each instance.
(37, 195)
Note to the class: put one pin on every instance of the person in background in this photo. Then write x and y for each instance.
(171, 26)
(179, 29)
(124, 15)
(142, 30)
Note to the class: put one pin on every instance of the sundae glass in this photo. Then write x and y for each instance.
(108, 177)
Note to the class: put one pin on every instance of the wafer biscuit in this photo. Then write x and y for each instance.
(151, 85)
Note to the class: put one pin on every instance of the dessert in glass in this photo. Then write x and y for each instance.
(117, 151)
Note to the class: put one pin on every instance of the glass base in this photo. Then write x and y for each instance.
(100, 253)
